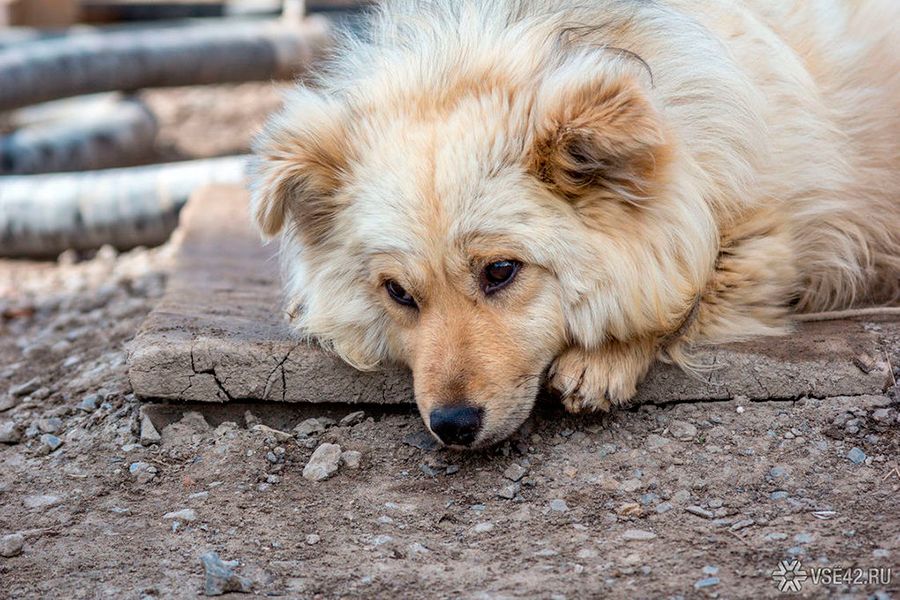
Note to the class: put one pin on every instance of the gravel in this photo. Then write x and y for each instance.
(220, 576)
(515, 472)
(11, 545)
(558, 505)
(23, 389)
(856, 456)
(700, 512)
(309, 428)
(188, 515)
(682, 430)
(50, 443)
(354, 418)
(323, 463)
(638, 535)
(421, 440)
(149, 434)
(10, 433)
(41, 501)
(351, 458)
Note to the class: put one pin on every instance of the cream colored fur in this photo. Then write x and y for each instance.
(633, 155)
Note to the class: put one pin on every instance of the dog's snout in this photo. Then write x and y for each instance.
(456, 425)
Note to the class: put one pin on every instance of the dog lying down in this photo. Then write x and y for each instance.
(506, 194)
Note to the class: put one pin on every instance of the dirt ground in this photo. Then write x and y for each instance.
(678, 501)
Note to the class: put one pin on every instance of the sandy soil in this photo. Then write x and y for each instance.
(679, 501)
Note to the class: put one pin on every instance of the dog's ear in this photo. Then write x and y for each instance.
(301, 158)
(599, 134)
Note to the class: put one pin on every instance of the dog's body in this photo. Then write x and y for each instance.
(488, 190)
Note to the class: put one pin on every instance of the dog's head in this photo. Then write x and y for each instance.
(472, 229)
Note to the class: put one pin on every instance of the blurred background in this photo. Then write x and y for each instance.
(113, 111)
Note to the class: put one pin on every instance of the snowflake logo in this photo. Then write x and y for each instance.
(789, 576)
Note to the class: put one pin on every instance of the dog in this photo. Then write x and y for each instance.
(510, 194)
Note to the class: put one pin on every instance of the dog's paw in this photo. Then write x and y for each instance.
(588, 381)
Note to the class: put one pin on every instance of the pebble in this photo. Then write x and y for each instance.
(778, 495)
(515, 472)
(49, 443)
(11, 545)
(220, 576)
(663, 507)
(417, 548)
(707, 582)
(742, 524)
(188, 515)
(803, 538)
(309, 428)
(50, 425)
(10, 433)
(716, 503)
(483, 527)
(629, 509)
(778, 472)
(656, 441)
(638, 535)
(323, 463)
(313, 539)
(682, 430)
(23, 389)
(776, 536)
(277, 434)
(351, 458)
(149, 434)
(421, 440)
(558, 505)
(354, 418)
(89, 403)
(41, 501)
(509, 491)
(428, 470)
(856, 456)
(451, 469)
(681, 496)
(381, 540)
(7, 402)
(710, 570)
(700, 512)
(631, 485)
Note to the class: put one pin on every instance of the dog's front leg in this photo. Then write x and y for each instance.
(592, 380)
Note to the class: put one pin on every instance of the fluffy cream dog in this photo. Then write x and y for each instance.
(502, 192)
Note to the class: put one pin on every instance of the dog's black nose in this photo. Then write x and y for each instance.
(456, 425)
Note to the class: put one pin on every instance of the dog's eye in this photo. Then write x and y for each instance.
(498, 275)
(398, 293)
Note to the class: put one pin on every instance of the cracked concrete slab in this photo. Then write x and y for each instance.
(219, 334)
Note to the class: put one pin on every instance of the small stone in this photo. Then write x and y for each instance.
(630, 509)
(742, 524)
(865, 362)
(778, 495)
(558, 505)
(272, 457)
(280, 436)
(273, 479)
(50, 425)
(700, 512)
(515, 472)
(631, 485)
(663, 507)
(41, 501)
(803, 538)
(7, 402)
(638, 535)
(351, 458)
(417, 548)
(11, 545)
(26, 388)
(421, 440)
(776, 536)
(856, 456)
(89, 403)
(10, 433)
(428, 470)
(483, 527)
(682, 430)
(188, 515)
(149, 434)
(312, 539)
(681, 496)
(452, 469)
(381, 540)
(354, 418)
(706, 583)
(220, 576)
(710, 570)
(323, 463)
(716, 503)
(50, 442)
(656, 441)
(778, 472)
(509, 491)
(309, 428)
